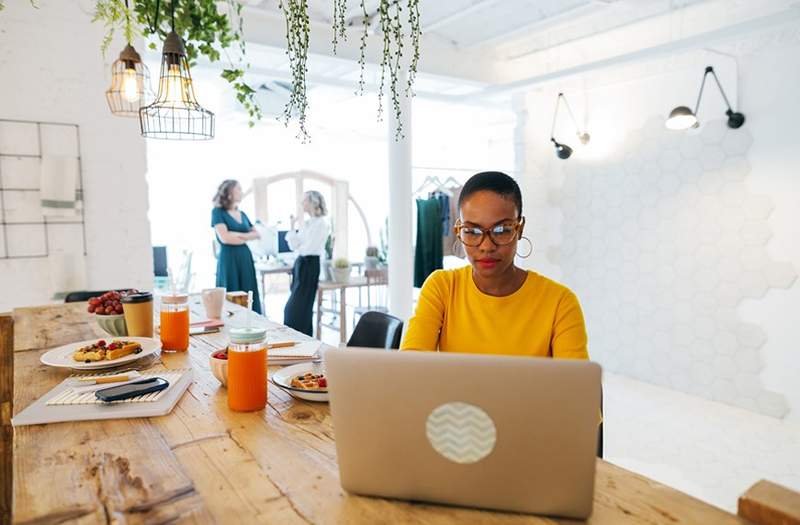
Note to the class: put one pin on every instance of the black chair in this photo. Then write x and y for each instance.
(377, 330)
(84, 295)
(600, 430)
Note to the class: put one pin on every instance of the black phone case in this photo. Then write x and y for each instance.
(159, 384)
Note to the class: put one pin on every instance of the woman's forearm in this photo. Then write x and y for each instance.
(232, 239)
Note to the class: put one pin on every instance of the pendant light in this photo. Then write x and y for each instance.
(562, 150)
(682, 117)
(176, 114)
(130, 82)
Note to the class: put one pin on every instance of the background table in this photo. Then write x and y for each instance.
(329, 286)
(204, 464)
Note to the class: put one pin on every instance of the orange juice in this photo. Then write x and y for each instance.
(175, 330)
(247, 369)
(247, 380)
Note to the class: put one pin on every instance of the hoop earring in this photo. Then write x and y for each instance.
(530, 251)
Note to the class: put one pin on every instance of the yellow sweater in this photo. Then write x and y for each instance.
(542, 318)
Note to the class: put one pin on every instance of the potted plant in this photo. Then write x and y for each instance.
(371, 259)
(341, 270)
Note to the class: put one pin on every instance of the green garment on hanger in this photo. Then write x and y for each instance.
(428, 255)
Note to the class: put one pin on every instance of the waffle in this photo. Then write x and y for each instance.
(309, 381)
(100, 351)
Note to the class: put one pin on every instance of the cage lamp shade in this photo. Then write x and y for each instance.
(130, 84)
(175, 113)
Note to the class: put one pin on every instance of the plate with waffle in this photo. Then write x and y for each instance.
(303, 381)
(96, 354)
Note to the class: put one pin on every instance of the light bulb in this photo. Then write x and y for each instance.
(130, 86)
(172, 85)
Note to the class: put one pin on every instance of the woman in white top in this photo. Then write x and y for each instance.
(309, 244)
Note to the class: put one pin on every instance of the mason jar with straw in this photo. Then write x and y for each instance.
(247, 366)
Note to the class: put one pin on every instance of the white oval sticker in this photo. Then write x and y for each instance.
(461, 432)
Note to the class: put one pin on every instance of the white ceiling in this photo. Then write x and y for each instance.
(470, 45)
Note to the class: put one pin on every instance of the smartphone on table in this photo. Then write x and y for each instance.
(137, 388)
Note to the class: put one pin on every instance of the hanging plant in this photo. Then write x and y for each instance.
(205, 29)
(297, 33)
(393, 30)
(114, 13)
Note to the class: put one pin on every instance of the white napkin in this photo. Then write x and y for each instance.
(134, 376)
(58, 180)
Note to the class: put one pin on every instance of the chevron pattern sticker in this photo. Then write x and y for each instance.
(461, 432)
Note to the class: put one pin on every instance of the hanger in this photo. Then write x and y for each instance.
(453, 183)
(433, 180)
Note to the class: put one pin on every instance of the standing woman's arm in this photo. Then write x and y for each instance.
(225, 236)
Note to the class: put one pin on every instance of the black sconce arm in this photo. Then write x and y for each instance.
(713, 73)
(571, 116)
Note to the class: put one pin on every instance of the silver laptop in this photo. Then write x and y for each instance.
(507, 433)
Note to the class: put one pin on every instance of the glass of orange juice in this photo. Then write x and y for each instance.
(175, 323)
(247, 369)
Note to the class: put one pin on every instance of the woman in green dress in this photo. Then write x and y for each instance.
(235, 268)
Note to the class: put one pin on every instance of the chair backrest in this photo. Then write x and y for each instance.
(85, 295)
(6, 409)
(377, 330)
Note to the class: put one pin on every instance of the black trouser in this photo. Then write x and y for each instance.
(299, 310)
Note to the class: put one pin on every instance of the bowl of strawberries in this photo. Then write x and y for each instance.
(218, 361)
(108, 312)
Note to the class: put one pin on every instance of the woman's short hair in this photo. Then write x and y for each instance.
(496, 182)
(317, 203)
(224, 197)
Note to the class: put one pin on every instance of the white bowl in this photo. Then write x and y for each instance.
(219, 367)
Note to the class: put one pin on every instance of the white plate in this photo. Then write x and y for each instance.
(283, 379)
(62, 356)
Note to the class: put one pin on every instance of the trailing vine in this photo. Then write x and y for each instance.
(392, 29)
(205, 29)
(362, 61)
(339, 22)
(297, 35)
(416, 32)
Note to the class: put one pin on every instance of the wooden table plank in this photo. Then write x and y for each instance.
(205, 463)
(53, 325)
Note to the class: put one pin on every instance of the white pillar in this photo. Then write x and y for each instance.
(401, 272)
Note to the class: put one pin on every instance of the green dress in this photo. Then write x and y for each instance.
(235, 268)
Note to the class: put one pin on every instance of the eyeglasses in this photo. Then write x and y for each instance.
(500, 234)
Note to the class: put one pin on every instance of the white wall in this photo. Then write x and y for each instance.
(52, 70)
(651, 312)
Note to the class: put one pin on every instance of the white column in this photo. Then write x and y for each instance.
(401, 272)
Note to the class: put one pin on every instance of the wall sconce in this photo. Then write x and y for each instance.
(682, 117)
(562, 150)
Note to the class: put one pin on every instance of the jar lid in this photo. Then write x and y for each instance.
(178, 298)
(141, 297)
(243, 336)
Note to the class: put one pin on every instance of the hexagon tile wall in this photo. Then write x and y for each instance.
(660, 246)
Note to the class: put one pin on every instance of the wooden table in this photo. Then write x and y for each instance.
(357, 281)
(204, 464)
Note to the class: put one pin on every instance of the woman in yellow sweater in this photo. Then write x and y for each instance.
(493, 306)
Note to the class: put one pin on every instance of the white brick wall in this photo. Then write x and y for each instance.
(682, 247)
(51, 69)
